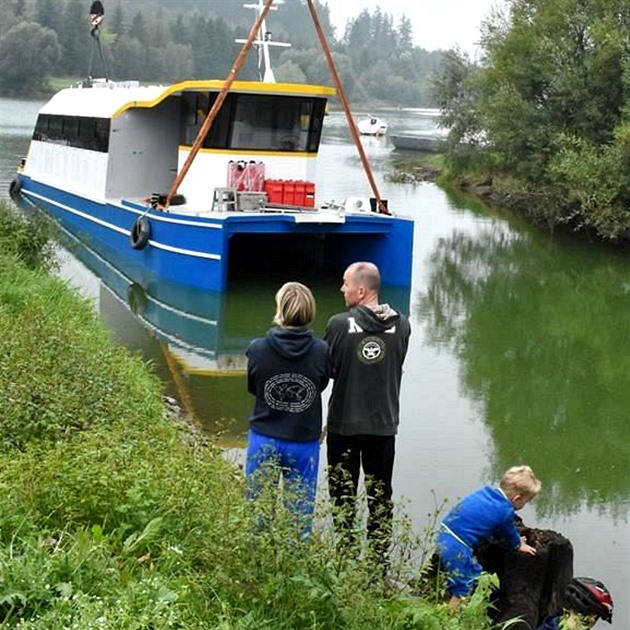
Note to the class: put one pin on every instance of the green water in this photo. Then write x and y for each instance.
(520, 353)
(541, 334)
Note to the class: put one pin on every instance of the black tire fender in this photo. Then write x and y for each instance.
(140, 233)
(15, 187)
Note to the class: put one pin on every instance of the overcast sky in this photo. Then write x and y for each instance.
(436, 23)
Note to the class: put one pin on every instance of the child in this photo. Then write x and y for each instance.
(585, 601)
(486, 513)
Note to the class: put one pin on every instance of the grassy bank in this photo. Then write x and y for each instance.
(416, 167)
(114, 515)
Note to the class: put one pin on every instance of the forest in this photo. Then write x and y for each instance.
(544, 116)
(164, 41)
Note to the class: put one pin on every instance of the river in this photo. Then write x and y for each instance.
(520, 351)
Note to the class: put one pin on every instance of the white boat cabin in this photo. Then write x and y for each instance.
(121, 140)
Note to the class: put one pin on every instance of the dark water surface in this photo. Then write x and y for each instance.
(520, 350)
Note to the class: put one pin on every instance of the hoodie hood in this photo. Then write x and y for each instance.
(375, 319)
(291, 343)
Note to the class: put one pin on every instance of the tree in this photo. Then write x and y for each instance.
(405, 34)
(117, 23)
(552, 100)
(49, 13)
(208, 29)
(8, 17)
(139, 29)
(456, 92)
(290, 72)
(128, 58)
(27, 54)
(74, 39)
(178, 65)
(179, 30)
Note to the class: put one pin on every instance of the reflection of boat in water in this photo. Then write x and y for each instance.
(184, 181)
(191, 324)
(196, 340)
(372, 126)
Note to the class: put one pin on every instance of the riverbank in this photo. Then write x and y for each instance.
(541, 208)
(113, 515)
(417, 168)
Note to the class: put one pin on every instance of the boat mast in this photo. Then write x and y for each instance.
(346, 106)
(262, 44)
(222, 95)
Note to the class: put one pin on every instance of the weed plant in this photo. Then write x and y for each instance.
(27, 238)
(113, 516)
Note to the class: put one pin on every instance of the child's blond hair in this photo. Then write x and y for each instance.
(520, 480)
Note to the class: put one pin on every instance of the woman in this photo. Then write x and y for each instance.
(287, 371)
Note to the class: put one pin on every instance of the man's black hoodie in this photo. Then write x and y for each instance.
(287, 371)
(368, 347)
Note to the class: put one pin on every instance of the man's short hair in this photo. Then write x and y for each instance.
(367, 275)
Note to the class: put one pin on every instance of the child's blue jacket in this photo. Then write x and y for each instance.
(483, 514)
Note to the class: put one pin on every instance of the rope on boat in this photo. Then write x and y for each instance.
(382, 208)
(212, 114)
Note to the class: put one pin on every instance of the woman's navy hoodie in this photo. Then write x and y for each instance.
(287, 371)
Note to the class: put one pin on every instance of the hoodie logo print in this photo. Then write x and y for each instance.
(371, 350)
(290, 392)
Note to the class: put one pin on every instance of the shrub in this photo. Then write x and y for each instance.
(112, 516)
(26, 237)
(59, 372)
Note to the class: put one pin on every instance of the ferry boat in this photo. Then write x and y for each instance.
(183, 181)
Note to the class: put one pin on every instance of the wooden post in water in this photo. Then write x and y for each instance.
(214, 110)
(344, 101)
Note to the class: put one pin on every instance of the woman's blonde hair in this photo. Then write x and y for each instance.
(520, 480)
(295, 305)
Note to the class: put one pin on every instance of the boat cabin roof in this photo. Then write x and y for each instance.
(109, 100)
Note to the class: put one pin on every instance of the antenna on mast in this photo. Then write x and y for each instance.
(262, 43)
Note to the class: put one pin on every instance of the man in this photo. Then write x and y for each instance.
(368, 345)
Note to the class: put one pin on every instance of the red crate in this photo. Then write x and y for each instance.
(309, 195)
(274, 189)
(288, 193)
(300, 193)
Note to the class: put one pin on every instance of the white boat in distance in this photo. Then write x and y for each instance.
(372, 126)
(184, 181)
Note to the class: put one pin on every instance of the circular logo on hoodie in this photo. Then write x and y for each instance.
(371, 350)
(290, 392)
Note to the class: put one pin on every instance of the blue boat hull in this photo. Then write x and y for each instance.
(196, 251)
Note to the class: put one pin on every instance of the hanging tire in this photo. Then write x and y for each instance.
(15, 187)
(140, 233)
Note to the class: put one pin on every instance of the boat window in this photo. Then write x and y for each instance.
(271, 122)
(255, 121)
(70, 129)
(75, 131)
(87, 130)
(195, 108)
(41, 128)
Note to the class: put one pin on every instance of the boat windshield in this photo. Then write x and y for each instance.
(256, 122)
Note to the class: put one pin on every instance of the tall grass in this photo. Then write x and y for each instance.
(113, 515)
